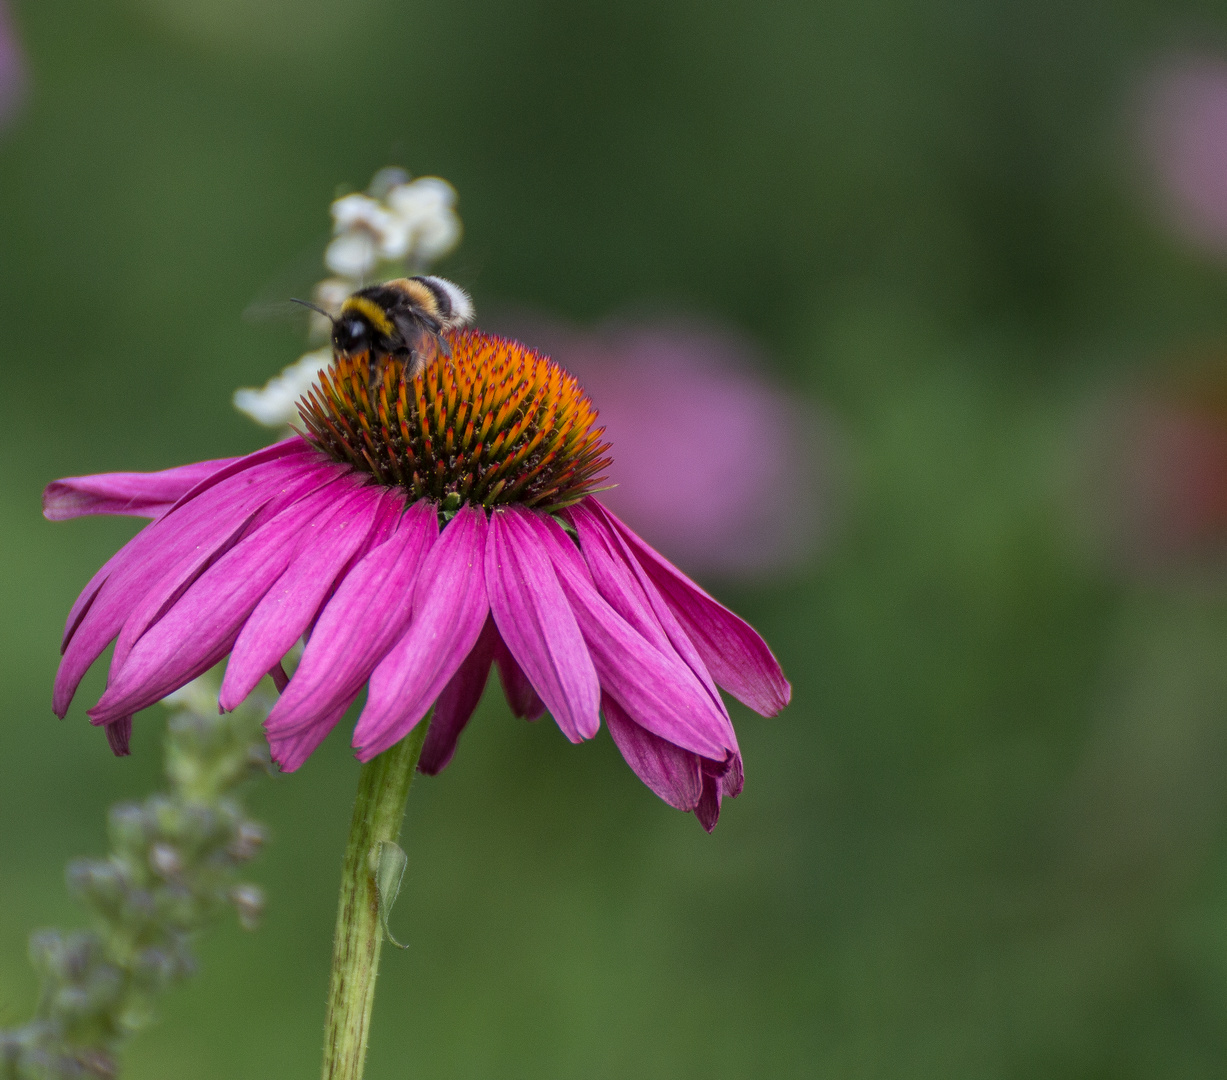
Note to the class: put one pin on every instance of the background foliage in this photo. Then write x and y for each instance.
(989, 839)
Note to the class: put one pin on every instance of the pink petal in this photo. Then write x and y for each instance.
(535, 621)
(655, 688)
(165, 594)
(624, 584)
(101, 622)
(736, 656)
(119, 735)
(289, 751)
(519, 692)
(734, 780)
(202, 626)
(457, 702)
(719, 779)
(291, 604)
(359, 625)
(286, 449)
(117, 561)
(136, 494)
(671, 772)
(191, 535)
(386, 523)
(280, 679)
(449, 611)
(708, 810)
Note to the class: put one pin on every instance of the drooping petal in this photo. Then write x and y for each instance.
(121, 558)
(280, 679)
(719, 779)
(119, 736)
(708, 810)
(290, 750)
(189, 536)
(289, 606)
(302, 483)
(285, 450)
(100, 624)
(361, 622)
(613, 578)
(519, 692)
(134, 494)
(736, 656)
(535, 620)
(656, 689)
(202, 625)
(449, 611)
(384, 526)
(624, 584)
(734, 780)
(671, 772)
(457, 702)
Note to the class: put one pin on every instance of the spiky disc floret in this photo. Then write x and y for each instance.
(495, 422)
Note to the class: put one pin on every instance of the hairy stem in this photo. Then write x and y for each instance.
(383, 787)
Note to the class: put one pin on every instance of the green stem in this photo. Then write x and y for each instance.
(383, 787)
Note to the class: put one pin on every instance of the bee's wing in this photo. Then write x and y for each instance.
(296, 278)
(277, 311)
(422, 341)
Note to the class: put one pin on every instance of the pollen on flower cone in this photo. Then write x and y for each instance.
(488, 422)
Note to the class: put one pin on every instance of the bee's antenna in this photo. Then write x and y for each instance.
(313, 307)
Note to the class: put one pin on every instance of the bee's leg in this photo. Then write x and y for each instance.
(423, 348)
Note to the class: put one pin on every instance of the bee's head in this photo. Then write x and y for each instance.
(351, 334)
(363, 325)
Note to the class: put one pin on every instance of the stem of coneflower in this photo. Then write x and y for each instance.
(383, 787)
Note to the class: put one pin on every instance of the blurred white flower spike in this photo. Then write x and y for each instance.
(276, 404)
(413, 223)
(397, 226)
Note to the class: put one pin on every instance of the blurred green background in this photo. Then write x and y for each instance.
(989, 837)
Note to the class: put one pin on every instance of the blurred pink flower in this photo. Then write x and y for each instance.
(12, 67)
(1184, 130)
(749, 474)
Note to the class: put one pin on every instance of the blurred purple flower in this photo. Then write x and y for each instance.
(1184, 130)
(749, 476)
(12, 67)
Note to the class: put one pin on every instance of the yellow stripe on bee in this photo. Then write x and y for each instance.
(374, 314)
(422, 295)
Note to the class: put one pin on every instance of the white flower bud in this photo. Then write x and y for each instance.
(424, 212)
(353, 254)
(165, 860)
(248, 901)
(427, 196)
(358, 212)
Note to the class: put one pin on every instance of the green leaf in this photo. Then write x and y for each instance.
(390, 869)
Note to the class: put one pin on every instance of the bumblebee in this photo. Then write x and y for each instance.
(403, 319)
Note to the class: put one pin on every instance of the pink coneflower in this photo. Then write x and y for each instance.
(417, 533)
